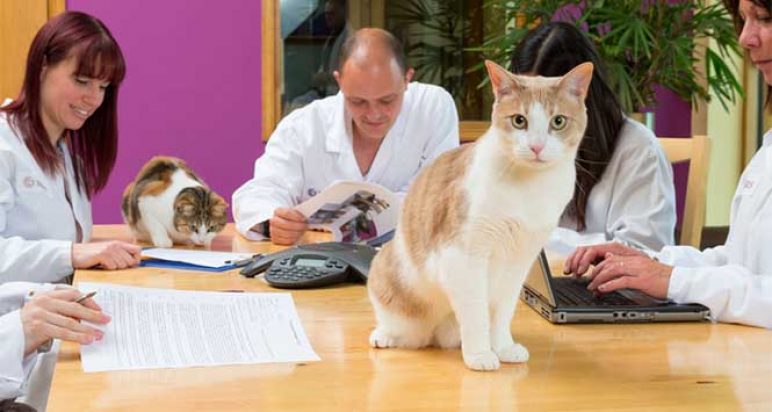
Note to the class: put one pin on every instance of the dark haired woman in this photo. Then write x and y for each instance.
(624, 184)
(733, 280)
(58, 143)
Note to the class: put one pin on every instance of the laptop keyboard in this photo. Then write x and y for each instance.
(573, 293)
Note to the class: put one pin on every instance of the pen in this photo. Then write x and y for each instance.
(81, 298)
(243, 262)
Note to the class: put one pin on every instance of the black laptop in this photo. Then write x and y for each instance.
(563, 299)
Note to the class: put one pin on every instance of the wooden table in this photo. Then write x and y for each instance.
(584, 367)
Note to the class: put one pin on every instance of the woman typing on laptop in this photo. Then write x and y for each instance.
(733, 280)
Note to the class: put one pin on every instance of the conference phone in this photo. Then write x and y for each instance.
(314, 265)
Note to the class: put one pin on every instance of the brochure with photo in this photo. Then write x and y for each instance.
(354, 212)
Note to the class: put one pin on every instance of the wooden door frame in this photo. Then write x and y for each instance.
(55, 7)
(271, 73)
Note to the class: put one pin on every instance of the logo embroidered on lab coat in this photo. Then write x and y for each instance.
(29, 182)
(748, 185)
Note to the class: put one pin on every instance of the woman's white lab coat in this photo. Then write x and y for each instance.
(733, 280)
(37, 224)
(311, 148)
(634, 201)
(15, 368)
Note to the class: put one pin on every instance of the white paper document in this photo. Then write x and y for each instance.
(353, 212)
(196, 257)
(161, 328)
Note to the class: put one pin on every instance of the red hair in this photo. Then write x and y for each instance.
(94, 146)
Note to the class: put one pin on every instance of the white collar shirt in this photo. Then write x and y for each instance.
(311, 148)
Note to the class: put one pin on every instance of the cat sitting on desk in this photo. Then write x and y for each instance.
(167, 203)
(474, 221)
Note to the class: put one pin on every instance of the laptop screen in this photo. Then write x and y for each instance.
(538, 279)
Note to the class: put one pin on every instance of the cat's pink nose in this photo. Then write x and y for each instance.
(536, 148)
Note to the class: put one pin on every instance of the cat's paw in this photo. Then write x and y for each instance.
(165, 243)
(381, 339)
(482, 361)
(514, 353)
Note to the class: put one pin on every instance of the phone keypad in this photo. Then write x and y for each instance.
(285, 272)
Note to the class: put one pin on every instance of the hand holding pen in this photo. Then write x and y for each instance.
(57, 315)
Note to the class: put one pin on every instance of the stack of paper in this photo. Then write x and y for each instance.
(192, 259)
(160, 328)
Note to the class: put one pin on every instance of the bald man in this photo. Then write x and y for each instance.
(379, 128)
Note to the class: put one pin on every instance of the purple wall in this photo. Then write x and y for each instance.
(673, 118)
(192, 89)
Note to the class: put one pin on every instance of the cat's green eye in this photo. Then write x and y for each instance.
(192, 228)
(519, 122)
(558, 122)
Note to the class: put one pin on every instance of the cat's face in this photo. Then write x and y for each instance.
(540, 120)
(199, 213)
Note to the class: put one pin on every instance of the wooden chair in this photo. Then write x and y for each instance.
(469, 131)
(697, 152)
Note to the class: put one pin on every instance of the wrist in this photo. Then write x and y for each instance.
(32, 341)
(73, 254)
(666, 271)
(32, 345)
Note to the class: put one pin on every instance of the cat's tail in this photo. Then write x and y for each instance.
(129, 209)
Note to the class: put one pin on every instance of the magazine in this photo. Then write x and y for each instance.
(353, 212)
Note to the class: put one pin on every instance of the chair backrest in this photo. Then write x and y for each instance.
(469, 131)
(697, 152)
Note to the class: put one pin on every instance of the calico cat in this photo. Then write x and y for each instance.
(167, 203)
(474, 221)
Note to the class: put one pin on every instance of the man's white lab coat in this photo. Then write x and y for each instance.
(311, 148)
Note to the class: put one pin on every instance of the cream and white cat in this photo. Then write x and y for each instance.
(474, 221)
(168, 203)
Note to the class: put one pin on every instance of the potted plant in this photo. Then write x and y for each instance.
(643, 42)
(436, 35)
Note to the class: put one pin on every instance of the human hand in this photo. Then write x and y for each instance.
(634, 272)
(580, 260)
(287, 226)
(56, 315)
(110, 255)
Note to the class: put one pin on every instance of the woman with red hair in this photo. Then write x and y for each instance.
(58, 143)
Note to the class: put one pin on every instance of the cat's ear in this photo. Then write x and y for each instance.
(577, 81)
(218, 205)
(503, 81)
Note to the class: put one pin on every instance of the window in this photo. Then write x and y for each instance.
(302, 43)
